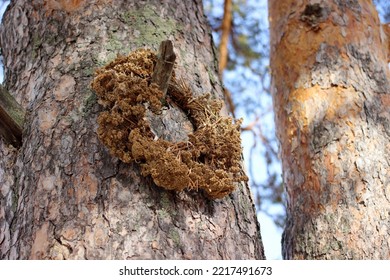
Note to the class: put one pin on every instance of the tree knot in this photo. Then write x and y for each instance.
(314, 14)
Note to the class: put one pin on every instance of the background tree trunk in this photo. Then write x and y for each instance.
(62, 195)
(330, 83)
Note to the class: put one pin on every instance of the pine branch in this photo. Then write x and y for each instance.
(11, 119)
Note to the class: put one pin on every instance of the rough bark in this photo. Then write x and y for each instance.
(330, 85)
(62, 195)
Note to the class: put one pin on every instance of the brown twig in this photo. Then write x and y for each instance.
(226, 28)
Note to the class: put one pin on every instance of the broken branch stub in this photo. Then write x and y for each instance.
(164, 66)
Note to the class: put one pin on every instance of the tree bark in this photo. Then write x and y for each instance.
(330, 84)
(62, 195)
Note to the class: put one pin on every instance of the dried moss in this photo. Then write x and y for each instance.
(208, 161)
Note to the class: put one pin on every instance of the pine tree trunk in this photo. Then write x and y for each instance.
(63, 196)
(330, 83)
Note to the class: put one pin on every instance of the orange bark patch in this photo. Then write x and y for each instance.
(70, 6)
(64, 5)
(315, 103)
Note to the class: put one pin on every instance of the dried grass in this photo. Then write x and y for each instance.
(209, 160)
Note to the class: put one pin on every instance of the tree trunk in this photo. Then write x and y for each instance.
(330, 84)
(63, 196)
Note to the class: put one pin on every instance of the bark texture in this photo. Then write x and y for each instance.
(62, 195)
(330, 83)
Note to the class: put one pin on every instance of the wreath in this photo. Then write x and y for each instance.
(209, 160)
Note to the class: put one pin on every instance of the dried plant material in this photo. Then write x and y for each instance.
(208, 161)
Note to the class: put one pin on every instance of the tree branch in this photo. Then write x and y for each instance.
(226, 30)
(11, 119)
(226, 27)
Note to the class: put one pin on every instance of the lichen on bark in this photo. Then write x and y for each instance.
(145, 34)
